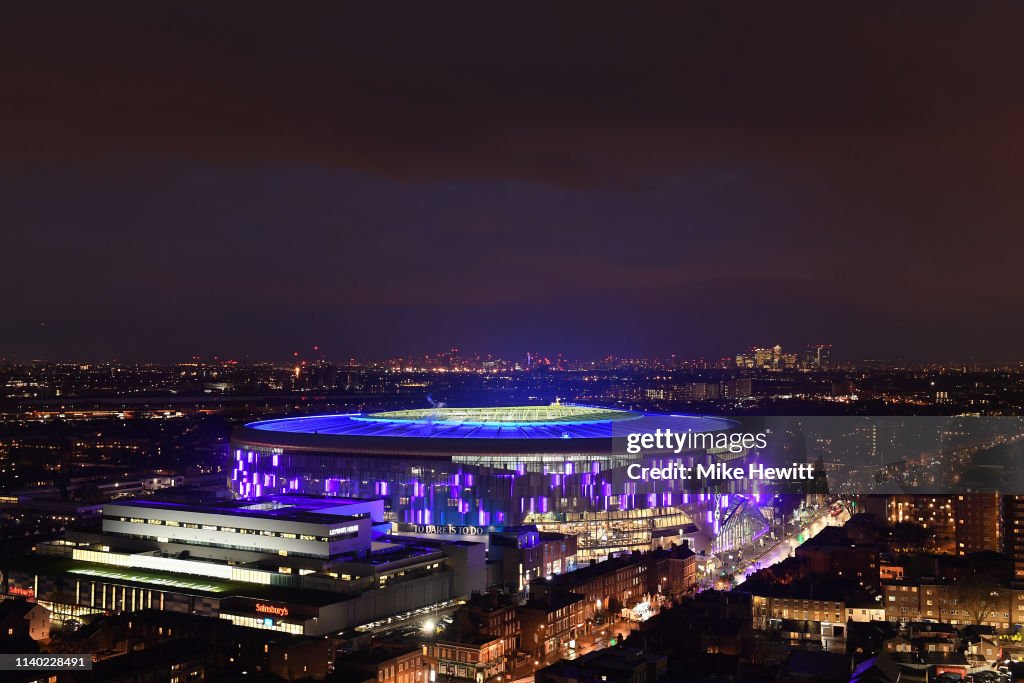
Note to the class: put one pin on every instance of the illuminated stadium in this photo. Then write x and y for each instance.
(463, 472)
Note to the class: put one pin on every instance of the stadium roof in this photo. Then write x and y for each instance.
(556, 421)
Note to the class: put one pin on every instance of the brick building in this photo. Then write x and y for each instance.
(956, 603)
(385, 663)
(21, 619)
(609, 585)
(492, 614)
(526, 554)
(808, 600)
(552, 622)
(833, 553)
(468, 657)
(673, 570)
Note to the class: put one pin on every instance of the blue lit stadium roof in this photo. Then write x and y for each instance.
(557, 421)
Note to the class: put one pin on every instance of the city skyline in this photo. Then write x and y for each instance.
(742, 357)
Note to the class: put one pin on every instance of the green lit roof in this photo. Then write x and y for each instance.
(555, 413)
(163, 580)
(194, 585)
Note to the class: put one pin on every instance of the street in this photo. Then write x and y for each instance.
(785, 547)
(754, 558)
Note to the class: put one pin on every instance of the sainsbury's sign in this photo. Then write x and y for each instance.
(276, 610)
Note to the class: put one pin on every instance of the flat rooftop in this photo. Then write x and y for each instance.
(387, 555)
(170, 581)
(291, 508)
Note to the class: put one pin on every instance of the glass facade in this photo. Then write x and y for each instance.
(466, 472)
(585, 495)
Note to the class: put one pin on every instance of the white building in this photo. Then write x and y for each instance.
(296, 564)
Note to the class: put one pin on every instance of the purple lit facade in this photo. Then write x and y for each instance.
(466, 478)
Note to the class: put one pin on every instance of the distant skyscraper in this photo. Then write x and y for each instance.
(767, 359)
(736, 388)
(818, 357)
(822, 354)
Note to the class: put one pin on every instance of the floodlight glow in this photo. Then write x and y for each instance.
(143, 578)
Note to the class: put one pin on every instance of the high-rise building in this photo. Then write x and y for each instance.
(979, 522)
(1013, 514)
(936, 513)
(820, 356)
(766, 359)
(736, 388)
(962, 524)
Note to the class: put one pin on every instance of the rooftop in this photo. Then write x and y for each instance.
(555, 421)
(16, 607)
(554, 414)
(553, 603)
(833, 590)
(467, 639)
(184, 583)
(389, 555)
(293, 508)
(361, 659)
(820, 665)
(588, 572)
(616, 663)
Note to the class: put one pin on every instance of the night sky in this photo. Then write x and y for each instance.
(247, 182)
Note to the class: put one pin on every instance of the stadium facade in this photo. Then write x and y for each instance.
(460, 473)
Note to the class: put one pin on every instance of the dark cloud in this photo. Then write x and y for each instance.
(254, 177)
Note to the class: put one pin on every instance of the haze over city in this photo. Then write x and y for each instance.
(672, 180)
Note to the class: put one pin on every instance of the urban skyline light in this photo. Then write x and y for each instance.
(511, 343)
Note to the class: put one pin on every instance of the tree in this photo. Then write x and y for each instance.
(911, 537)
(980, 599)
